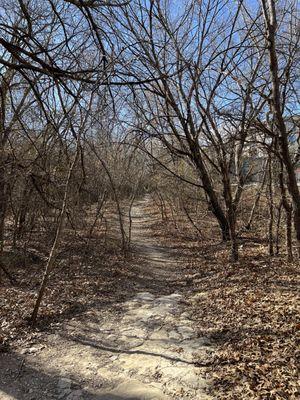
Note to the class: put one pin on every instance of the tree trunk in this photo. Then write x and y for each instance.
(57, 240)
(230, 210)
(289, 216)
(234, 245)
(213, 200)
(3, 207)
(256, 202)
(162, 206)
(269, 10)
(289, 247)
(190, 219)
(277, 240)
(271, 209)
(3, 200)
(100, 203)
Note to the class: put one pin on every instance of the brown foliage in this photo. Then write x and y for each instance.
(249, 309)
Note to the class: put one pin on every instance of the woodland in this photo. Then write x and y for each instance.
(149, 154)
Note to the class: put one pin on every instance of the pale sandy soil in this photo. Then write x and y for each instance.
(145, 348)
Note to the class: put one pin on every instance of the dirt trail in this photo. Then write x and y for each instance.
(144, 349)
(159, 270)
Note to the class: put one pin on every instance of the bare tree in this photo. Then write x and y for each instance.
(279, 92)
(189, 111)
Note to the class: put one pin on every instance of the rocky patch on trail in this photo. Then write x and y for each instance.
(151, 353)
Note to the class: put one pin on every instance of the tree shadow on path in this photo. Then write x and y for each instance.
(21, 380)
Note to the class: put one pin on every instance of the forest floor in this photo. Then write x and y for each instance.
(249, 309)
(174, 319)
(140, 343)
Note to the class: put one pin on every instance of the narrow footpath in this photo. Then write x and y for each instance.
(144, 349)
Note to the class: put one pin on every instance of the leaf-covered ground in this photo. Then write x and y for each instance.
(87, 271)
(250, 309)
